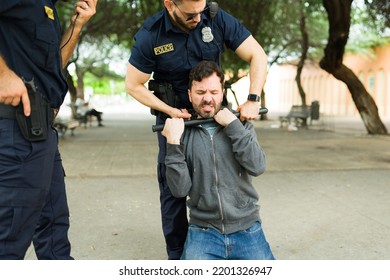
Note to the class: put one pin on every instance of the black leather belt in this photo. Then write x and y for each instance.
(7, 111)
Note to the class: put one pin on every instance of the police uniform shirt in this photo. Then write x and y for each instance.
(30, 37)
(169, 53)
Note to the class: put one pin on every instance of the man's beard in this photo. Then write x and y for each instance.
(181, 23)
(207, 115)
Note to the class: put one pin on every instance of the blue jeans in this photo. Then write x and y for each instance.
(209, 244)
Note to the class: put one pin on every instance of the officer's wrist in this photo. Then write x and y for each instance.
(253, 97)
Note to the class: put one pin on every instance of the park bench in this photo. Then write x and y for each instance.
(299, 114)
(62, 126)
(83, 119)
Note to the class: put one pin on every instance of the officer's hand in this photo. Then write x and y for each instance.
(249, 110)
(179, 113)
(224, 117)
(13, 91)
(85, 9)
(173, 130)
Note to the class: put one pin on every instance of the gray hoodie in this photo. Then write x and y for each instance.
(215, 172)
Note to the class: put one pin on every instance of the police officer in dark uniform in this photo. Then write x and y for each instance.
(169, 44)
(33, 205)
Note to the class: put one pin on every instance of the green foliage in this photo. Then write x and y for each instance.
(104, 85)
(367, 30)
(108, 37)
(379, 11)
(275, 24)
(254, 14)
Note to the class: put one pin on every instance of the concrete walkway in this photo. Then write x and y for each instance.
(325, 194)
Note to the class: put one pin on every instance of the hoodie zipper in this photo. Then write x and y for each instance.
(216, 186)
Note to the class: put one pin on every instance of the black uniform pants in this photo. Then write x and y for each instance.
(33, 204)
(173, 210)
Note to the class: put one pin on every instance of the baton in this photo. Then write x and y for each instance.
(160, 127)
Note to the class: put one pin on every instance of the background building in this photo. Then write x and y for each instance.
(334, 97)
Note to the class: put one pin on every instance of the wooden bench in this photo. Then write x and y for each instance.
(63, 126)
(83, 119)
(297, 116)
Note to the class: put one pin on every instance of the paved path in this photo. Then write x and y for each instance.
(325, 194)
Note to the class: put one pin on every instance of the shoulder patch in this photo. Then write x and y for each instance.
(49, 12)
(164, 49)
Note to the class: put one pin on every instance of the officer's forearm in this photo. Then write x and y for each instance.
(3, 65)
(83, 12)
(134, 85)
(251, 51)
(258, 72)
(147, 98)
(68, 43)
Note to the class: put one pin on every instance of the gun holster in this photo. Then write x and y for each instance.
(34, 127)
(164, 91)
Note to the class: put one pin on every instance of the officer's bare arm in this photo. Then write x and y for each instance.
(251, 51)
(84, 10)
(135, 86)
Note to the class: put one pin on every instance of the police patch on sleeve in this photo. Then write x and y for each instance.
(164, 49)
(207, 35)
(49, 12)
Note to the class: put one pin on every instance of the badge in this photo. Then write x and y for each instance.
(49, 12)
(207, 36)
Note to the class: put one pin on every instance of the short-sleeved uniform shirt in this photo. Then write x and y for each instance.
(30, 37)
(169, 53)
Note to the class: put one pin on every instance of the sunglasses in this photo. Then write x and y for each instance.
(190, 16)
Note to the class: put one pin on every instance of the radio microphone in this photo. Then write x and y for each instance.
(213, 9)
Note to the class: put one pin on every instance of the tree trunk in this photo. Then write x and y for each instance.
(304, 49)
(71, 88)
(301, 63)
(80, 82)
(339, 15)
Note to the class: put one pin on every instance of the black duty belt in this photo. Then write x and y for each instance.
(7, 111)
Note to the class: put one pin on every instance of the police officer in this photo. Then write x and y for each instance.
(169, 44)
(33, 205)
